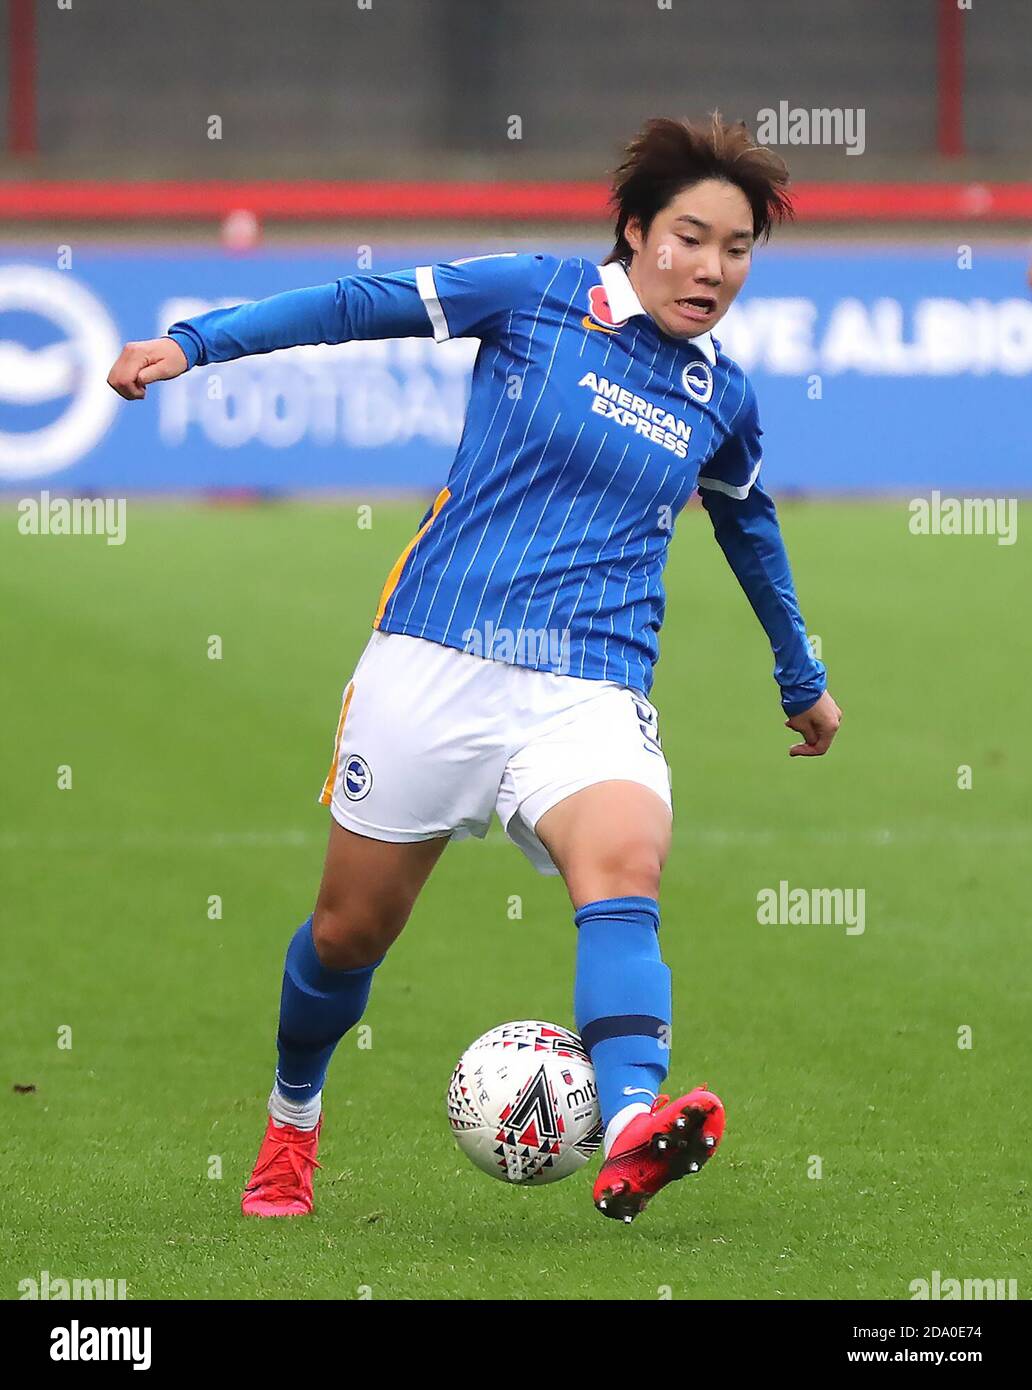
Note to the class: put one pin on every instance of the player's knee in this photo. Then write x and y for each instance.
(640, 875)
(349, 940)
(629, 870)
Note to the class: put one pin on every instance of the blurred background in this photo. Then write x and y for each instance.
(160, 159)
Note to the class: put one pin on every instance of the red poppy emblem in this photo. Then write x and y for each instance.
(600, 310)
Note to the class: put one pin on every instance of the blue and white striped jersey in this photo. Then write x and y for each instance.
(586, 432)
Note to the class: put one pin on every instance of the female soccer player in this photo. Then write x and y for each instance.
(514, 641)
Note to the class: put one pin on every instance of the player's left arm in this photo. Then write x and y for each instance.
(746, 526)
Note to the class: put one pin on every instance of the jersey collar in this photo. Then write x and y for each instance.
(624, 304)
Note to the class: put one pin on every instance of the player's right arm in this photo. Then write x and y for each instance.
(465, 299)
(138, 364)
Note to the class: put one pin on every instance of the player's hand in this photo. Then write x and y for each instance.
(139, 364)
(818, 725)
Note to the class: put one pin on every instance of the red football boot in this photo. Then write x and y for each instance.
(673, 1139)
(281, 1184)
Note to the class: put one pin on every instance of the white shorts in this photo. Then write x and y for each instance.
(431, 740)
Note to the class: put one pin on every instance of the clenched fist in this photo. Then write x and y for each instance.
(818, 725)
(139, 364)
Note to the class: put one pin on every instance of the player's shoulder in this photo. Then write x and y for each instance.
(739, 394)
(735, 372)
(476, 296)
(513, 266)
(513, 278)
(541, 264)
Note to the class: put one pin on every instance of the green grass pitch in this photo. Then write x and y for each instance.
(194, 777)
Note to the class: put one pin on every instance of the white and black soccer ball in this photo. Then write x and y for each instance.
(523, 1105)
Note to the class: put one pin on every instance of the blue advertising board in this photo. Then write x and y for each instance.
(877, 369)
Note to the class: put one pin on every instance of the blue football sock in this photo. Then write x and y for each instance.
(317, 1007)
(622, 1001)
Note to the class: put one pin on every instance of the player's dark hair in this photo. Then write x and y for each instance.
(668, 156)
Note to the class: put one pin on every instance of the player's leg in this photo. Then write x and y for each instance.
(416, 760)
(588, 795)
(610, 841)
(368, 890)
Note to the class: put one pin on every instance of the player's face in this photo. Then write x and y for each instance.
(695, 258)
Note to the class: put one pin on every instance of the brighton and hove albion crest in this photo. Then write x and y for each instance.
(697, 380)
(356, 778)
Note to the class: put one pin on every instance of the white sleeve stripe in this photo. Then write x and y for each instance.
(715, 485)
(428, 294)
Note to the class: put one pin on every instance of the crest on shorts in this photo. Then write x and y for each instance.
(356, 778)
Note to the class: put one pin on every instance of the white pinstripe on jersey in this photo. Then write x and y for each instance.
(553, 512)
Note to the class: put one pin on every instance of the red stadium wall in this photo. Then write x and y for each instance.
(164, 200)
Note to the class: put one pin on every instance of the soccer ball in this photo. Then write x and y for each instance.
(522, 1103)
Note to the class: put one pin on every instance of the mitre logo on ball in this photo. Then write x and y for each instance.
(523, 1105)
